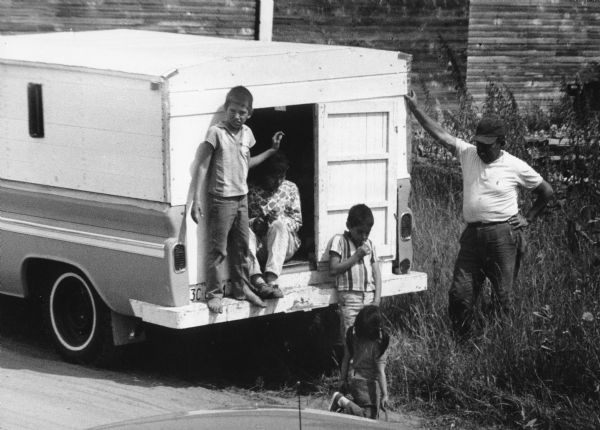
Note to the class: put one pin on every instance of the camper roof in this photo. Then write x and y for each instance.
(157, 53)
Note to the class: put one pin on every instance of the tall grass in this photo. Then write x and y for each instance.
(539, 367)
(541, 363)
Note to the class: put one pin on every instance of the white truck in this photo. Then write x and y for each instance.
(99, 132)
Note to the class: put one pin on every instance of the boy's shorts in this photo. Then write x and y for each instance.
(350, 303)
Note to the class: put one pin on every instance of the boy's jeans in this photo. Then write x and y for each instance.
(227, 228)
(276, 248)
(485, 251)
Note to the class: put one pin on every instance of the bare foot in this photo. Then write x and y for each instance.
(214, 305)
(253, 298)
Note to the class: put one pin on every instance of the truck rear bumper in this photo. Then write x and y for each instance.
(296, 298)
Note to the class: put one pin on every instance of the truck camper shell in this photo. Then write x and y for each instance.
(100, 133)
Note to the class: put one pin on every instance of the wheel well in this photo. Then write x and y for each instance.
(39, 274)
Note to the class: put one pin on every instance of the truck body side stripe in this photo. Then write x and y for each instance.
(115, 243)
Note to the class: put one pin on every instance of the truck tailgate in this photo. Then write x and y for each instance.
(298, 296)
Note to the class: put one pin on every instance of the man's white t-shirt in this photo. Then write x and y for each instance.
(490, 190)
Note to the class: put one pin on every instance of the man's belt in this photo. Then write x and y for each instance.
(484, 224)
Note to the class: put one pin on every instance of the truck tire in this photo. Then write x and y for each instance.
(79, 321)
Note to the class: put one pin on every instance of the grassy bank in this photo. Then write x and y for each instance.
(540, 367)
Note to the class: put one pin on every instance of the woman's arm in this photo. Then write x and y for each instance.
(276, 143)
(293, 212)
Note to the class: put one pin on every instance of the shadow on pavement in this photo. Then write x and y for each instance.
(266, 352)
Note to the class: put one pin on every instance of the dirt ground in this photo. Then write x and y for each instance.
(38, 390)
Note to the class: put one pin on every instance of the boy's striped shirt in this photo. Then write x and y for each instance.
(360, 276)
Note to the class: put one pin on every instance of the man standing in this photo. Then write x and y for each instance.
(490, 242)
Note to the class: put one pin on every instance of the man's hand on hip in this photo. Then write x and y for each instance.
(518, 221)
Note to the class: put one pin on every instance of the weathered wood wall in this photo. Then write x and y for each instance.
(227, 18)
(412, 26)
(530, 45)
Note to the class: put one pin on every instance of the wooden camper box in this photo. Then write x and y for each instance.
(100, 135)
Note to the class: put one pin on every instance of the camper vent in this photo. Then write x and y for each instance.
(36, 110)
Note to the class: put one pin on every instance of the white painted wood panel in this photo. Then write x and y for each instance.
(357, 163)
(185, 134)
(88, 160)
(196, 57)
(258, 68)
(91, 139)
(360, 181)
(102, 134)
(283, 94)
(89, 100)
(57, 73)
(360, 133)
(403, 140)
(96, 182)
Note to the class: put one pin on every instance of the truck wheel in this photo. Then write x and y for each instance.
(80, 322)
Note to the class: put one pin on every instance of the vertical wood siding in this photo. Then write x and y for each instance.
(409, 26)
(530, 45)
(226, 18)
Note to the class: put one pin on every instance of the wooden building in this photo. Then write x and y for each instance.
(527, 45)
(414, 27)
(530, 46)
(225, 18)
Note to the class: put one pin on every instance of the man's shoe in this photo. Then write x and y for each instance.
(334, 405)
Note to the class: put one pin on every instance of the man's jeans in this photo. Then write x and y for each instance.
(227, 227)
(486, 250)
(276, 247)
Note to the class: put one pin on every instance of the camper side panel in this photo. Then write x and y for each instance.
(101, 133)
(185, 135)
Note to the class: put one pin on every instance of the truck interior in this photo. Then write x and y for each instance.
(298, 124)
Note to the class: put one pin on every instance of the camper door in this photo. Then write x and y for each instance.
(357, 163)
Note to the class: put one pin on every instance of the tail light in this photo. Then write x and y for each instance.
(179, 257)
(406, 226)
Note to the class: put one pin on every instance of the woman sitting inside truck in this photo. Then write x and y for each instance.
(275, 218)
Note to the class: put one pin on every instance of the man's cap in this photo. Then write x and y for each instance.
(490, 128)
